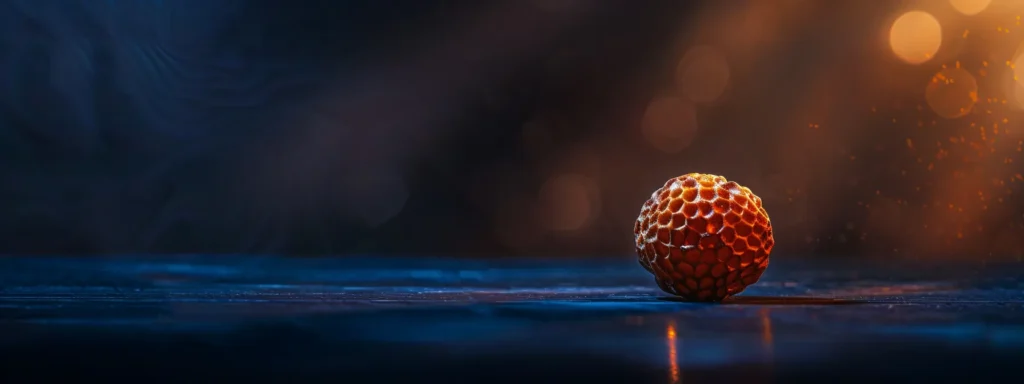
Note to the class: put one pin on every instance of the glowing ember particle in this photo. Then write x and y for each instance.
(703, 238)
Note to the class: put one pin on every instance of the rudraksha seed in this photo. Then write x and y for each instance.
(703, 237)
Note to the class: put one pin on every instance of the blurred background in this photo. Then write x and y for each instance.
(871, 129)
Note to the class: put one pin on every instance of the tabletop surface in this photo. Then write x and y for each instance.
(383, 319)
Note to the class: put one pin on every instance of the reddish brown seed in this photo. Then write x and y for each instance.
(703, 237)
(701, 270)
(691, 283)
(707, 256)
(706, 283)
(692, 256)
(682, 288)
(685, 269)
(718, 270)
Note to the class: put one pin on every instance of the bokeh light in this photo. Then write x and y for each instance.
(1018, 69)
(915, 37)
(952, 92)
(970, 7)
(1016, 93)
(568, 202)
(670, 124)
(703, 74)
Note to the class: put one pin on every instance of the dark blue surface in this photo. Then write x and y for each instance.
(196, 318)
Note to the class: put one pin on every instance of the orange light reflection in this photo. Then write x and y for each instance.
(767, 335)
(673, 358)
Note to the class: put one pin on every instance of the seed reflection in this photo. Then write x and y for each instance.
(767, 335)
(673, 358)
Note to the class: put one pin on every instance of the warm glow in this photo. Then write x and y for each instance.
(670, 124)
(915, 37)
(1018, 69)
(952, 93)
(1018, 95)
(1012, 84)
(767, 335)
(703, 74)
(970, 7)
(673, 358)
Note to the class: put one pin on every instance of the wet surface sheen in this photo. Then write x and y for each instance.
(348, 320)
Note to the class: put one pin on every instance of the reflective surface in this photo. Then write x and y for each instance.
(374, 320)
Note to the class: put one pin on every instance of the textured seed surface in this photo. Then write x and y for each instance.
(703, 237)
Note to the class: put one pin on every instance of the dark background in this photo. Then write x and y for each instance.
(489, 128)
